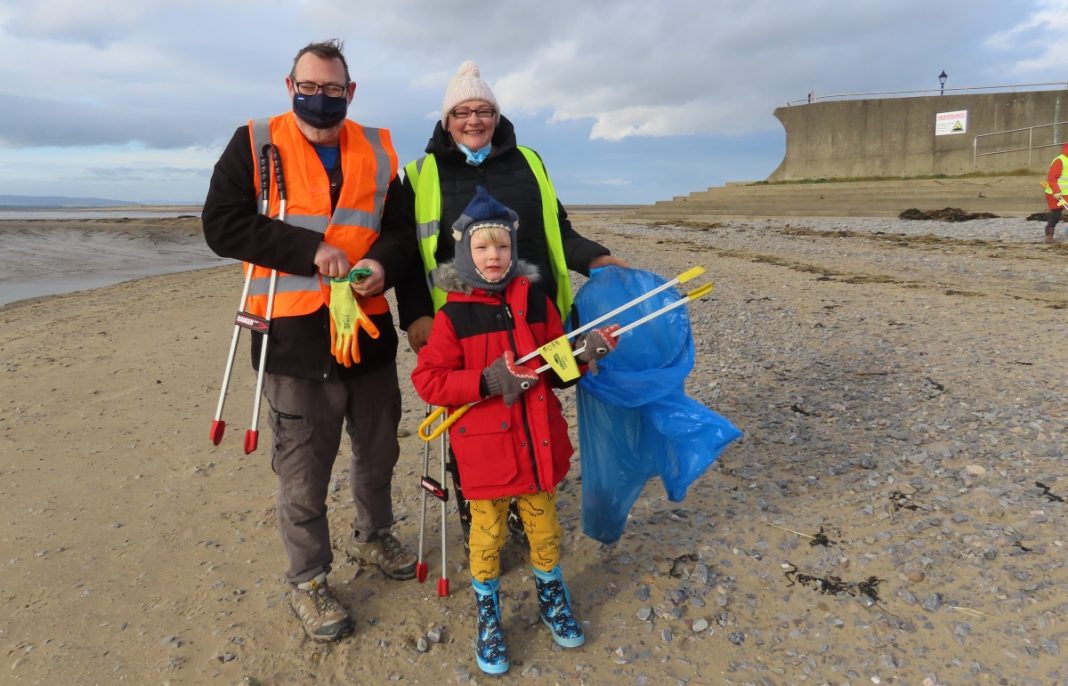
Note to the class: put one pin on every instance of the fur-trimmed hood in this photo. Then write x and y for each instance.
(447, 278)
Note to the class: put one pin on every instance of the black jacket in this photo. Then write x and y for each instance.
(508, 178)
(299, 346)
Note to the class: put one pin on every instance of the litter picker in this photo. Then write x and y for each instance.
(427, 434)
(438, 490)
(247, 320)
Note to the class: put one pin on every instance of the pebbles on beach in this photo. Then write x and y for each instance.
(895, 512)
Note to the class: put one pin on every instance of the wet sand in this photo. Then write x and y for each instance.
(52, 256)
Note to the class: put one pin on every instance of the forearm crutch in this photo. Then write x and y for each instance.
(244, 319)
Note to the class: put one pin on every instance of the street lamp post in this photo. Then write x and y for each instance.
(942, 82)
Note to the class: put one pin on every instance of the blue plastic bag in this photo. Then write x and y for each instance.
(635, 419)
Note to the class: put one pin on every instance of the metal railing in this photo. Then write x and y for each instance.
(1011, 88)
(1030, 142)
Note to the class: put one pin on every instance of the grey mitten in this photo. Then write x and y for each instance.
(504, 378)
(595, 345)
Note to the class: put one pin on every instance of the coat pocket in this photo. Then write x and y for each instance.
(483, 445)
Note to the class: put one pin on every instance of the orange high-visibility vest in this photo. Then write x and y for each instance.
(368, 164)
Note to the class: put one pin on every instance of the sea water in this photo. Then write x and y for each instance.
(72, 257)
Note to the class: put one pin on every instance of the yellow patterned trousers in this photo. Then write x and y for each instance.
(489, 530)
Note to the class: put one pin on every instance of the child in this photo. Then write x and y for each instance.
(513, 442)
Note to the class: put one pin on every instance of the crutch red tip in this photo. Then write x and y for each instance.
(443, 588)
(218, 426)
(421, 572)
(251, 439)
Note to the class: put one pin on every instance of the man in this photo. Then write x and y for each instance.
(342, 192)
(1055, 185)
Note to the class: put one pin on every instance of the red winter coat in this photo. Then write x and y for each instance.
(500, 451)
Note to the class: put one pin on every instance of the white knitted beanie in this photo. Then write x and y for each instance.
(466, 85)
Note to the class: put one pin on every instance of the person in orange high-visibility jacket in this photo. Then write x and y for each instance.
(342, 212)
(1055, 184)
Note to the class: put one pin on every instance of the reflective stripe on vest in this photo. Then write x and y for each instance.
(368, 164)
(424, 177)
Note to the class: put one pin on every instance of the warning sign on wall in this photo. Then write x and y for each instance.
(947, 123)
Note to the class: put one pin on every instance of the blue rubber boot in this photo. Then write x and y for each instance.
(490, 651)
(554, 605)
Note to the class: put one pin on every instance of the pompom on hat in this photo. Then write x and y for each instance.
(466, 85)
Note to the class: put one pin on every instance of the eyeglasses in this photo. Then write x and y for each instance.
(481, 113)
(331, 90)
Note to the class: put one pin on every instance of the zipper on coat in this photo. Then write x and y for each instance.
(510, 328)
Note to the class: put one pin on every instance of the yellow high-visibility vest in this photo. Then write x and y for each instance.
(423, 173)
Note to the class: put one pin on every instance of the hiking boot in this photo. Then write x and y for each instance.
(385, 552)
(554, 606)
(491, 653)
(319, 611)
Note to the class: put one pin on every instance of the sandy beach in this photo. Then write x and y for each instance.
(896, 512)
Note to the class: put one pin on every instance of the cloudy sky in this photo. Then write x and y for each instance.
(627, 101)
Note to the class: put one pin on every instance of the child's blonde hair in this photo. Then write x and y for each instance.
(493, 232)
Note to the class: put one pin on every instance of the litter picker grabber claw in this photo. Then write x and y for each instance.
(427, 434)
(247, 320)
(438, 490)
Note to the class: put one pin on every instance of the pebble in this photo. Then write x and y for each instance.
(932, 603)
(864, 361)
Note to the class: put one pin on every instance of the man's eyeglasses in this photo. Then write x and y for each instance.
(481, 113)
(331, 90)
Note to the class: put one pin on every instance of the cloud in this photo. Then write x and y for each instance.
(176, 75)
(96, 23)
(679, 67)
(1041, 34)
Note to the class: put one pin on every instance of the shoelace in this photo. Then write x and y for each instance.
(392, 547)
(324, 601)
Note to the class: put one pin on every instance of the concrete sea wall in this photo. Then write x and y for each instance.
(896, 137)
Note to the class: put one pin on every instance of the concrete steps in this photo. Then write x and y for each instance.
(1005, 196)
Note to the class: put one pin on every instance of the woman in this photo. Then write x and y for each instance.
(475, 145)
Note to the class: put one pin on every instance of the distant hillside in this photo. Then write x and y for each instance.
(39, 201)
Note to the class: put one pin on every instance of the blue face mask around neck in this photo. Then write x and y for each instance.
(320, 111)
(475, 157)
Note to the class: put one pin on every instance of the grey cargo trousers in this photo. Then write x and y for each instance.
(306, 418)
